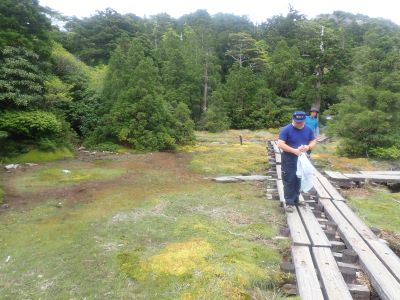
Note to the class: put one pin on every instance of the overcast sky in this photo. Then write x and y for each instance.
(256, 10)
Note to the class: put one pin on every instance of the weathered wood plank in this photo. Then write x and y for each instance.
(380, 172)
(329, 187)
(371, 177)
(278, 158)
(307, 280)
(385, 254)
(279, 186)
(322, 193)
(279, 171)
(316, 234)
(336, 175)
(385, 284)
(332, 280)
(298, 232)
(275, 147)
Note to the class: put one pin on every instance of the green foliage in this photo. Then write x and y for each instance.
(215, 120)
(107, 146)
(29, 124)
(94, 39)
(24, 25)
(56, 91)
(138, 116)
(3, 135)
(368, 115)
(184, 125)
(392, 152)
(21, 81)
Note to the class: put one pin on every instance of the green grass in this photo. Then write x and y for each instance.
(379, 208)
(226, 156)
(37, 156)
(155, 233)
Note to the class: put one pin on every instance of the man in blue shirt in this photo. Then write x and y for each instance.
(312, 121)
(294, 139)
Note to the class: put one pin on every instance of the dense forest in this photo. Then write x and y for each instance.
(113, 80)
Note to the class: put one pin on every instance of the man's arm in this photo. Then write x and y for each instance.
(285, 147)
(312, 144)
(282, 144)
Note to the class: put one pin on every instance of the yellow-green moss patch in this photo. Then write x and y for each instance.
(54, 177)
(35, 156)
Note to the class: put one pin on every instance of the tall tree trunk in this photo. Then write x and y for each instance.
(205, 90)
(317, 102)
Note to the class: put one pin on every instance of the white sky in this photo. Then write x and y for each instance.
(256, 10)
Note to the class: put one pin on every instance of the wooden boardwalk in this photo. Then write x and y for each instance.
(365, 176)
(326, 237)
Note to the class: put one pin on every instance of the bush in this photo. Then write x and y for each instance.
(45, 144)
(108, 146)
(30, 124)
(386, 153)
(215, 121)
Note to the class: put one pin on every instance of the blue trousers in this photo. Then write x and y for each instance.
(291, 183)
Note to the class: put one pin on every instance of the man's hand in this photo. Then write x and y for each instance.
(297, 152)
(304, 148)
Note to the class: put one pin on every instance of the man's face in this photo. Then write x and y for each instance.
(298, 125)
(313, 114)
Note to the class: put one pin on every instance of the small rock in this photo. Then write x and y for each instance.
(11, 167)
(66, 171)
(31, 164)
(5, 206)
(289, 289)
(81, 148)
(375, 230)
(8, 259)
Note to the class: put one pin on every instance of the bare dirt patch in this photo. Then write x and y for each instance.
(142, 170)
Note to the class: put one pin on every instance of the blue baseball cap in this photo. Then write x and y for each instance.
(299, 116)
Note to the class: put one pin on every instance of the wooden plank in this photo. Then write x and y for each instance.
(316, 234)
(384, 253)
(279, 186)
(332, 280)
(385, 284)
(376, 178)
(322, 193)
(278, 158)
(329, 187)
(336, 175)
(275, 147)
(298, 232)
(307, 280)
(279, 171)
(380, 172)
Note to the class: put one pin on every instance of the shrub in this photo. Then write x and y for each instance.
(108, 146)
(215, 120)
(29, 124)
(386, 153)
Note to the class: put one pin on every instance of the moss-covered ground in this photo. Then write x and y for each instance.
(143, 226)
(37, 156)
